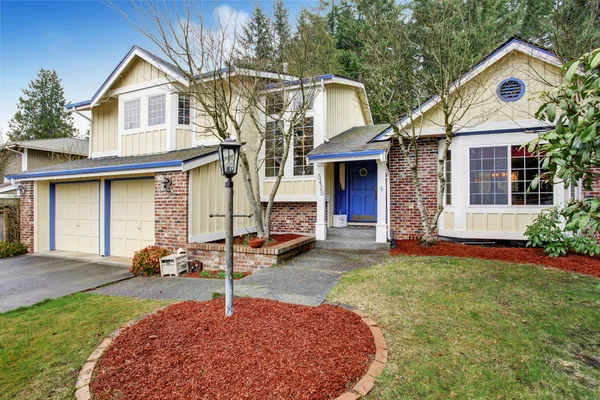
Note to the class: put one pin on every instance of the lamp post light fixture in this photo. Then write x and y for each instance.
(229, 152)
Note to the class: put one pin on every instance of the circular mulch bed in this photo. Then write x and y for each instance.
(266, 350)
(521, 255)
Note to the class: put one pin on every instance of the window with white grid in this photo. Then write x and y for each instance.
(157, 108)
(183, 109)
(131, 114)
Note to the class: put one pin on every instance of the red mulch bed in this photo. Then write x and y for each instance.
(213, 275)
(522, 255)
(266, 350)
(274, 239)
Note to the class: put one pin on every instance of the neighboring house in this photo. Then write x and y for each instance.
(30, 155)
(153, 176)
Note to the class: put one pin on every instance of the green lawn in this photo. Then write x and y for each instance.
(469, 328)
(42, 347)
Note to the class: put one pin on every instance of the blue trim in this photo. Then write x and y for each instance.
(107, 201)
(510, 100)
(513, 130)
(174, 163)
(79, 104)
(350, 154)
(52, 216)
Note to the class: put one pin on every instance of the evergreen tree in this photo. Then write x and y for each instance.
(281, 31)
(258, 37)
(41, 114)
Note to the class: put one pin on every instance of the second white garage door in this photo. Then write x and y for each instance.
(132, 216)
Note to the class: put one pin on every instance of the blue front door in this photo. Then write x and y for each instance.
(363, 191)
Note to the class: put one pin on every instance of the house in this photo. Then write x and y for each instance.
(29, 155)
(153, 175)
(488, 172)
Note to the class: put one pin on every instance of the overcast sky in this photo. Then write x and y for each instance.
(82, 40)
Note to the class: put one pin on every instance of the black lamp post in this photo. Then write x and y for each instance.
(229, 152)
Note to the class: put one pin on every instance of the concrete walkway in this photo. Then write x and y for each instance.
(305, 279)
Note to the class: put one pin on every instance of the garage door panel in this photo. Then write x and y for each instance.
(77, 217)
(132, 216)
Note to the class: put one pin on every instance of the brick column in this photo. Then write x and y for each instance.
(171, 210)
(27, 205)
(405, 218)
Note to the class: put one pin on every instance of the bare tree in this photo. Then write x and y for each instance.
(404, 65)
(231, 94)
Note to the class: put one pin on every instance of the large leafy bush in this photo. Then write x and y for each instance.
(9, 249)
(572, 156)
(147, 260)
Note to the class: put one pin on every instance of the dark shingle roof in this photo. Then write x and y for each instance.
(353, 140)
(91, 165)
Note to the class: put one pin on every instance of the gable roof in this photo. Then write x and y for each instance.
(355, 141)
(56, 145)
(514, 44)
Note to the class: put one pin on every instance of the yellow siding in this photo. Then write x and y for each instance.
(105, 129)
(38, 159)
(296, 187)
(139, 71)
(208, 197)
(183, 139)
(144, 143)
(344, 110)
(448, 220)
(12, 164)
(498, 222)
(482, 101)
(43, 216)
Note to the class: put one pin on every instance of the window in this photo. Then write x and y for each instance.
(448, 172)
(131, 114)
(183, 109)
(157, 107)
(488, 167)
(525, 166)
(511, 89)
(275, 102)
(303, 144)
(273, 149)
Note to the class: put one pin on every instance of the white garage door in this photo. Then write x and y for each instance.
(77, 217)
(132, 216)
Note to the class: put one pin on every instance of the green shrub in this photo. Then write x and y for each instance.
(11, 249)
(221, 274)
(147, 260)
(548, 231)
(238, 275)
(205, 274)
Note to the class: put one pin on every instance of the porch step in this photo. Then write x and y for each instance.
(351, 243)
(366, 232)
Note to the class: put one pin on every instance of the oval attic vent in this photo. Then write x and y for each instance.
(511, 89)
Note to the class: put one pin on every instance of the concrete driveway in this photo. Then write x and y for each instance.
(28, 279)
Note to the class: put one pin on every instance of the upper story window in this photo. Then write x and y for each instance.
(157, 108)
(275, 103)
(303, 144)
(183, 109)
(273, 149)
(131, 114)
(448, 172)
(525, 166)
(297, 101)
(490, 172)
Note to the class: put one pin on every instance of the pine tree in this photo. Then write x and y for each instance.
(258, 36)
(41, 114)
(281, 31)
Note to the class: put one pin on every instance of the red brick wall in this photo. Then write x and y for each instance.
(171, 211)
(595, 192)
(405, 218)
(299, 217)
(27, 205)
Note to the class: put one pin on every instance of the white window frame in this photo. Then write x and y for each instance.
(128, 101)
(189, 124)
(148, 115)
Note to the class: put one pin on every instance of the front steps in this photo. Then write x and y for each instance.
(352, 238)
